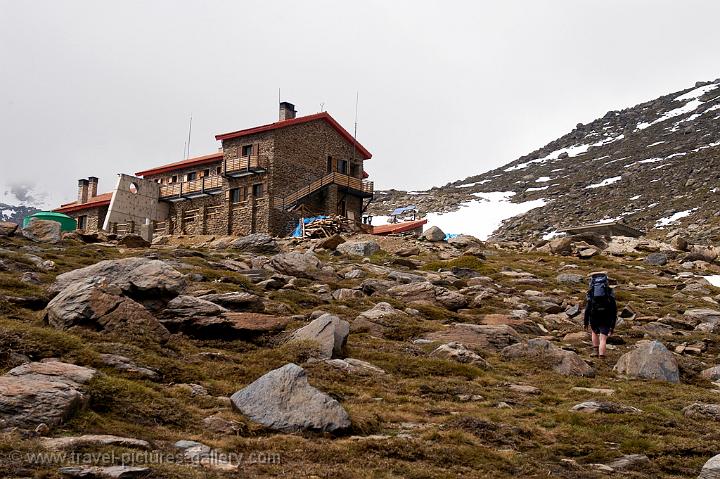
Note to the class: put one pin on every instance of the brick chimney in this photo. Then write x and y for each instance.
(83, 191)
(92, 187)
(287, 111)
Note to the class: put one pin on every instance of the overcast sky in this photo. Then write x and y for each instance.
(447, 89)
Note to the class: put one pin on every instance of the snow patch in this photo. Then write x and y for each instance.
(481, 217)
(543, 179)
(690, 106)
(673, 218)
(713, 280)
(697, 92)
(605, 182)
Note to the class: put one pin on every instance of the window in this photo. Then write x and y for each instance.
(257, 190)
(206, 172)
(329, 164)
(81, 222)
(192, 176)
(246, 150)
(235, 195)
(245, 193)
(355, 170)
(219, 170)
(342, 166)
(173, 179)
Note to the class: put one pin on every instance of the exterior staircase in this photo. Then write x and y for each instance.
(362, 187)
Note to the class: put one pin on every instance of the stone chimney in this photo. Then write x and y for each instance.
(287, 111)
(83, 191)
(92, 187)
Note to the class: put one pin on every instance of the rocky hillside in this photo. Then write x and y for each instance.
(352, 357)
(655, 165)
(15, 214)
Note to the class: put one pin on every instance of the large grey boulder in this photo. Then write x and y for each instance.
(134, 276)
(656, 259)
(44, 392)
(330, 332)
(283, 400)
(434, 234)
(102, 307)
(43, 231)
(300, 265)
(711, 469)
(649, 360)
(479, 336)
(559, 360)
(255, 243)
(458, 352)
(358, 248)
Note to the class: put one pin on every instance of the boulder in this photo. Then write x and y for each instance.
(711, 469)
(42, 393)
(656, 259)
(477, 336)
(236, 301)
(561, 361)
(713, 373)
(346, 294)
(229, 325)
(58, 443)
(131, 240)
(629, 461)
(649, 360)
(283, 400)
(679, 243)
(355, 366)
(416, 291)
(562, 245)
(188, 306)
(702, 319)
(300, 265)
(7, 228)
(458, 352)
(136, 277)
(570, 278)
(701, 254)
(465, 241)
(329, 331)
(104, 472)
(331, 243)
(127, 365)
(42, 231)
(359, 248)
(408, 251)
(101, 307)
(604, 407)
(255, 243)
(702, 411)
(434, 234)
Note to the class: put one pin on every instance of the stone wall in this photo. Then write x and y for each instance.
(94, 218)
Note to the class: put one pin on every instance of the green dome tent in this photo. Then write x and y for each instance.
(66, 223)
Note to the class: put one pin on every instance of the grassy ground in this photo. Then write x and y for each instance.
(414, 422)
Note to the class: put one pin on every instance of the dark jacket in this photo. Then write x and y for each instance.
(609, 318)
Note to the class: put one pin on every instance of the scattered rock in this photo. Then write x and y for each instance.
(132, 241)
(329, 331)
(524, 389)
(570, 278)
(284, 401)
(58, 443)
(122, 363)
(42, 231)
(656, 259)
(702, 411)
(7, 228)
(434, 234)
(355, 366)
(359, 248)
(606, 392)
(300, 265)
(331, 243)
(255, 243)
(711, 469)
(100, 472)
(458, 352)
(604, 407)
(477, 336)
(649, 360)
(561, 361)
(629, 461)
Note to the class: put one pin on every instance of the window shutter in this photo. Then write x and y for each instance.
(255, 149)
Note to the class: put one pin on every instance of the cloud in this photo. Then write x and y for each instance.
(25, 194)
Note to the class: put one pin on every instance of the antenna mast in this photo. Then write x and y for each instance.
(357, 96)
(188, 142)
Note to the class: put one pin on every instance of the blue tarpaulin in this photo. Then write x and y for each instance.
(450, 235)
(399, 211)
(298, 230)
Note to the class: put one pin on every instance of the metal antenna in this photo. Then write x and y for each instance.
(189, 134)
(357, 97)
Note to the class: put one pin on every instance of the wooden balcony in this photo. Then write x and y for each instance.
(243, 166)
(191, 189)
(356, 186)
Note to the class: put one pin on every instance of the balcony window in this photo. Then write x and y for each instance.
(173, 179)
(206, 172)
(246, 150)
(329, 164)
(257, 190)
(192, 176)
(342, 167)
(218, 170)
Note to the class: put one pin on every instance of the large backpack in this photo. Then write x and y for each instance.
(600, 295)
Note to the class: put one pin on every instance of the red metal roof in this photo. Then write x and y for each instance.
(198, 160)
(94, 202)
(394, 228)
(296, 121)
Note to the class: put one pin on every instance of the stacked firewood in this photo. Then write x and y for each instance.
(326, 227)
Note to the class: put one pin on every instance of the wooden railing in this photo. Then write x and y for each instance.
(193, 186)
(244, 163)
(330, 179)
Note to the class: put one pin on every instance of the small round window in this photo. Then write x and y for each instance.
(133, 188)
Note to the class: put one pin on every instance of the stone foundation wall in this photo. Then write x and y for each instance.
(95, 218)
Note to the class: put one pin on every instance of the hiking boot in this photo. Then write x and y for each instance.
(594, 353)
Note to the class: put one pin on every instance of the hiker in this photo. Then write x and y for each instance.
(600, 311)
